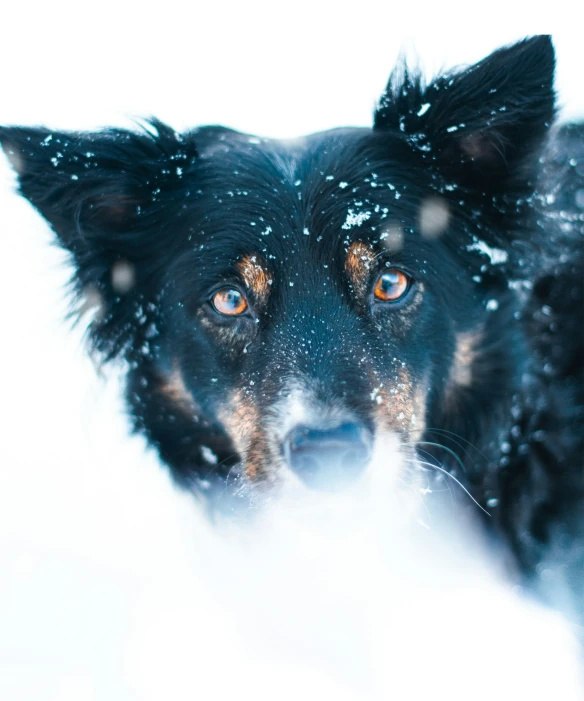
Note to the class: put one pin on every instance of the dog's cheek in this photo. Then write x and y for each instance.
(463, 365)
(174, 389)
(229, 342)
(241, 419)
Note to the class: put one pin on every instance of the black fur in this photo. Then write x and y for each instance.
(506, 272)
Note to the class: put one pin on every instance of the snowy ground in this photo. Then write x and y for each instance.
(112, 587)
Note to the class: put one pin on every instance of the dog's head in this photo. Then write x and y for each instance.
(314, 298)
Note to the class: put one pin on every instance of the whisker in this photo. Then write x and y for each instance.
(459, 437)
(439, 445)
(448, 487)
(219, 497)
(220, 464)
(458, 482)
(452, 435)
(454, 439)
(418, 493)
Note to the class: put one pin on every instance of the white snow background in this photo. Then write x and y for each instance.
(112, 586)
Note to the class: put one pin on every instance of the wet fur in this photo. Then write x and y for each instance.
(190, 211)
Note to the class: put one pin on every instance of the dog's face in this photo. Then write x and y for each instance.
(317, 299)
(307, 305)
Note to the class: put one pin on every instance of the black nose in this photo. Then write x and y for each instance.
(331, 458)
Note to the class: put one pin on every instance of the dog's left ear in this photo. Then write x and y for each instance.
(481, 126)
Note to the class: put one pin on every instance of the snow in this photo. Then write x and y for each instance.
(208, 455)
(433, 217)
(113, 586)
(123, 276)
(355, 219)
(496, 255)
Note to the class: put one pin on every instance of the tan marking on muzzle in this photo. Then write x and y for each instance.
(358, 263)
(255, 465)
(401, 406)
(241, 419)
(256, 277)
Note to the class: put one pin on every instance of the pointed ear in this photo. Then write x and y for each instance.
(481, 126)
(96, 185)
(108, 196)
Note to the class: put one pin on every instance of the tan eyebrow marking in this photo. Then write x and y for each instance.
(255, 276)
(360, 258)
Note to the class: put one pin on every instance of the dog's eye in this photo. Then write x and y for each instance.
(229, 302)
(391, 286)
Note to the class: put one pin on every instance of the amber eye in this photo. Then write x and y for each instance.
(229, 302)
(391, 286)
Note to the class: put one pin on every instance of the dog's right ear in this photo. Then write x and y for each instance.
(96, 188)
(107, 195)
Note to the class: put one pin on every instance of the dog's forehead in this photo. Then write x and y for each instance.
(335, 163)
(303, 200)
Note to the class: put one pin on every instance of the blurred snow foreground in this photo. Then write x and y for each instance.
(114, 587)
(138, 597)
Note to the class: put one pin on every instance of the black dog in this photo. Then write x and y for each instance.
(292, 308)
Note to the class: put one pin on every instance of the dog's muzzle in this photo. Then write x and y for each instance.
(332, 458)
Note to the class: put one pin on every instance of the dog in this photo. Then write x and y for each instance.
(289, 311)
